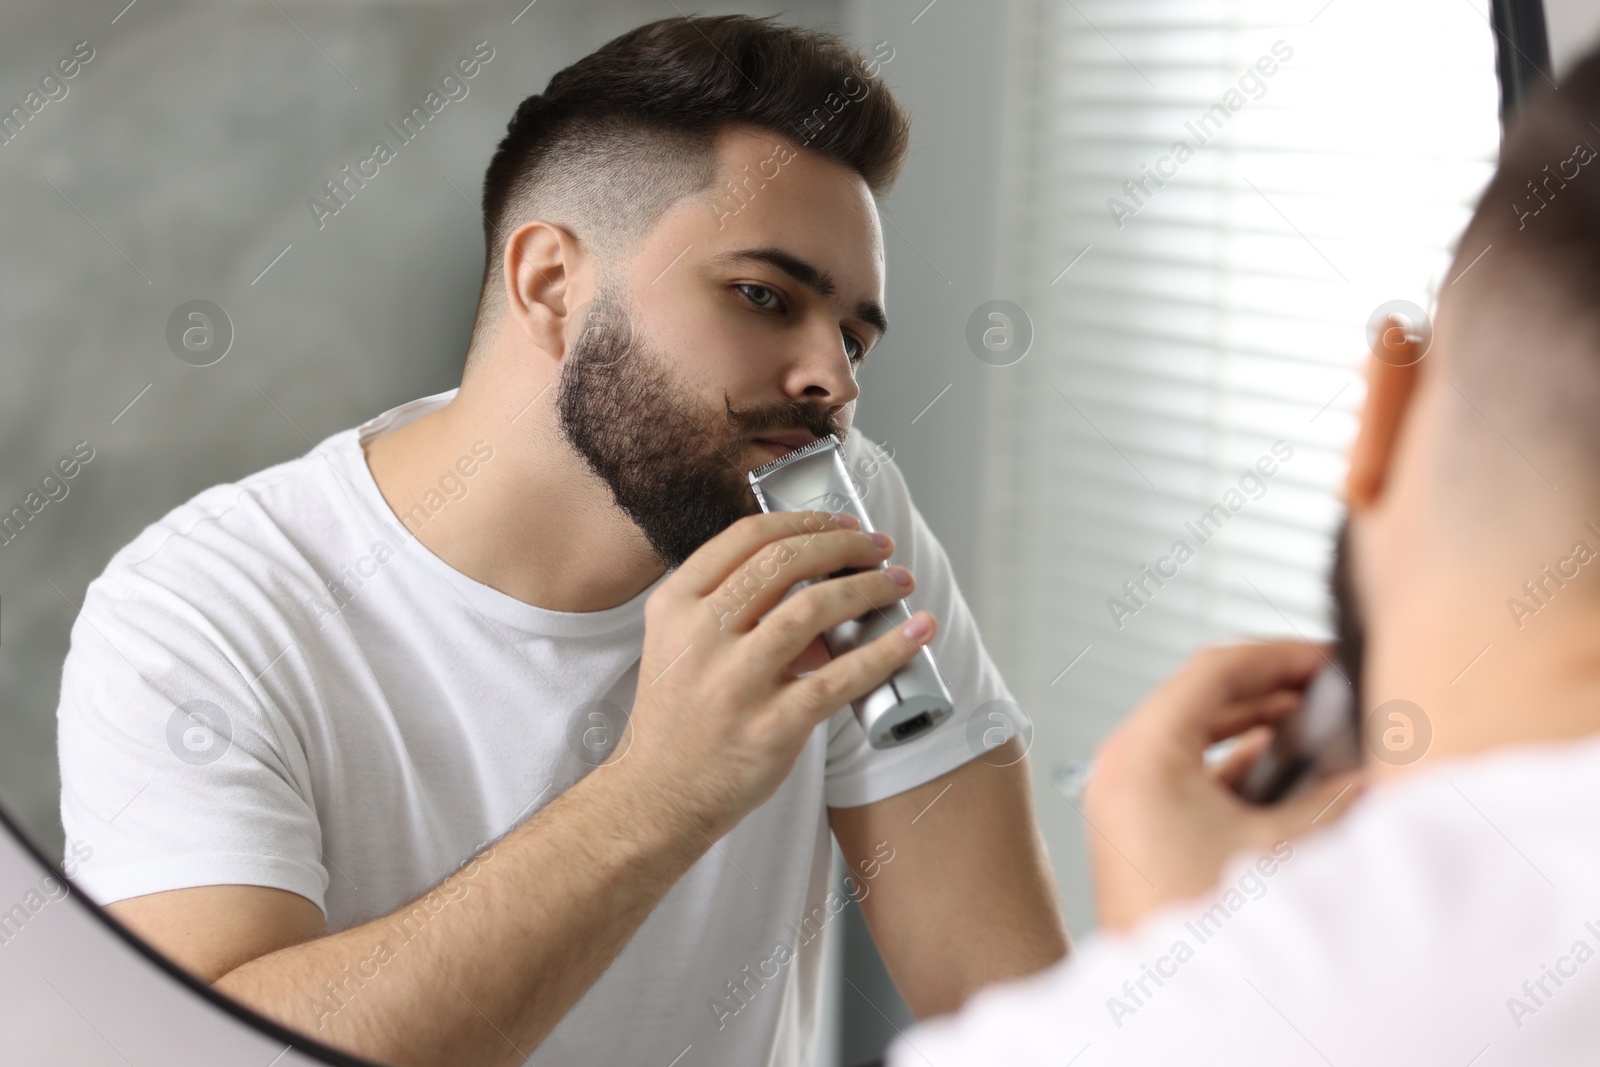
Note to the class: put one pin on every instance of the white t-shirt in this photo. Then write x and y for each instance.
(1451, 918)
(278, 685)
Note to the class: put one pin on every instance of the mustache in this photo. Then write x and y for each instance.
(784, 417)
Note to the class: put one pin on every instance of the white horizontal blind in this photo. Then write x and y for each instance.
(1227, 312)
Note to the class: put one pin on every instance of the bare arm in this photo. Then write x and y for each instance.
(520, 932)
(482, 967)
(211, 929)
(968, 897)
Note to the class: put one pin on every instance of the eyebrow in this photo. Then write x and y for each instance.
(818, 281)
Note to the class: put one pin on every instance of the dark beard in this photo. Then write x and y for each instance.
(675, 469)
(1348, 624)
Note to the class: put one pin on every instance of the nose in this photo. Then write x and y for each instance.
(823, 374)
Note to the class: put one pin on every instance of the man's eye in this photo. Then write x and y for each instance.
(857, 351)
(759, 295)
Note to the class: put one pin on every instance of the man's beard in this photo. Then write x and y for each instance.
(672, 464)
(1349, 627)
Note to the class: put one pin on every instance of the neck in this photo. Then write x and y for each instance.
(1486, 673)
(530, 520)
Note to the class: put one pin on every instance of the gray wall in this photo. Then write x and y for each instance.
(1573, 26)
(939, 227)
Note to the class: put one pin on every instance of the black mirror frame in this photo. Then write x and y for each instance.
(1522, 51)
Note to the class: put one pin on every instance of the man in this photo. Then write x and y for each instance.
(1452, 915)
(544, 610)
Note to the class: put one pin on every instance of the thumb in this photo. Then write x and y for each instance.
(1319, 806)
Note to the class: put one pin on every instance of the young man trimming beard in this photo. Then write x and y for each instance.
(330, 686)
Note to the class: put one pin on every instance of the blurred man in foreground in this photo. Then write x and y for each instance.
(1453, 915)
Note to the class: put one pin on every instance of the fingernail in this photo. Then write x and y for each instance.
(879, 538)
(918, 628)
(847, 520)
(900, 575)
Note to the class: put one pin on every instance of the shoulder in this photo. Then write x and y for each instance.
(240, 546)
(1427, 914)
(869, 461)
(882, 487)
(1415, 880)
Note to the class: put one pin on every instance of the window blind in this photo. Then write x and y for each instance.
(1199, 318)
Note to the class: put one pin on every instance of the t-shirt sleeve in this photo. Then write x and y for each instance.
(857, 773)
(176, 770)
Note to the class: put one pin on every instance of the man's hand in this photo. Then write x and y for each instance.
(1162, 822)
(720, 717)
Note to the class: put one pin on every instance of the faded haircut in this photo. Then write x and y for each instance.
(623, 134)
(1525, 317)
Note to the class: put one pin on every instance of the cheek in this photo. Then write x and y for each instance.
(709, 343)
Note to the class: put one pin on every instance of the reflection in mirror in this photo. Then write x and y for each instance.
(393, 643)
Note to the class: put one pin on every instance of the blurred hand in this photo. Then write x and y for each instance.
(1162, 822)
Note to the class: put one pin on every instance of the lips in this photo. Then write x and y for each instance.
(781, 444)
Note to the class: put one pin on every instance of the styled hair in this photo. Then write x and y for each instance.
(626, 132)
(1526, 316)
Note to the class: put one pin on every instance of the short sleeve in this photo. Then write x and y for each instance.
(857, 773)
(175, 769)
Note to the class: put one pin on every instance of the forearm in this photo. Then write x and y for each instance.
(969, 897)
(1003, 922)
(484, 966)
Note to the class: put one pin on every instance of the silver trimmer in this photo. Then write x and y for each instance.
(914, 699)
(1318, 739)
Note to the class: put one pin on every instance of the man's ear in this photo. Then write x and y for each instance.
(540, 261)
(1393, 370)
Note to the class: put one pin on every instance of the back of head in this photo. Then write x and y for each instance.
(1523, 322)
(623, 134)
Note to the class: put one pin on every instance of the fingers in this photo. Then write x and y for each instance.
(1230, 771)
(815, 656)
(713, 562)
(818, 695)
(755, 588)
(823, 557)
(786, 631)
(1197, 705)
(1320, 805)
(1242, 715)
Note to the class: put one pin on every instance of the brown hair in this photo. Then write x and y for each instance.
(621, 135)
(1524, 294)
